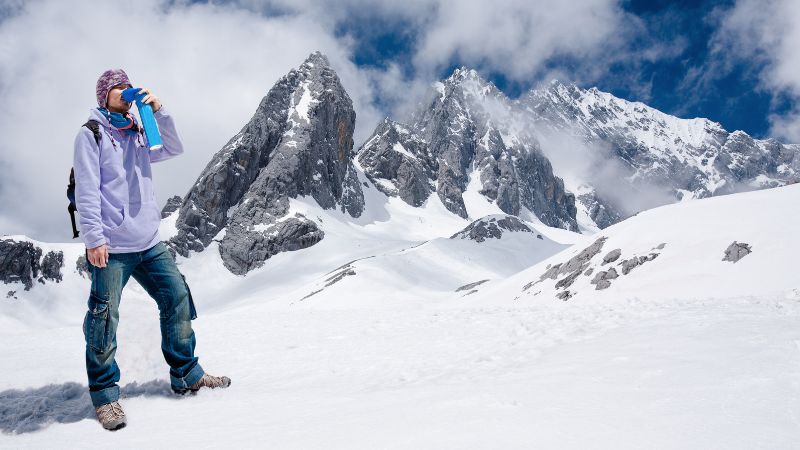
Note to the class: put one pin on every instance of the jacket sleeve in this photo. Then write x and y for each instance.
(169, 137)
(86, 163)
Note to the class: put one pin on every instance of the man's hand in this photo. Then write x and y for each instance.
(98, 256)
(150, 99)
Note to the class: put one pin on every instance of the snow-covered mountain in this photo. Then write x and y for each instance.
(671, 158)
(616, 157)
(465, 136)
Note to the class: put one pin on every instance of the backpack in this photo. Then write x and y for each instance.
(95, 127)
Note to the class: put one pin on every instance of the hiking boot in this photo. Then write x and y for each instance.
(111, 416)
(208, 381)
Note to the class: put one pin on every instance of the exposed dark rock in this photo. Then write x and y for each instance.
(398, 163)
(577, 263)
(173, 204)
(600, 210)
(11, 294)
(736, 251)
(491, 227)
(51, 266)
(630, 264)
(602, 279)
(565, 295)
(568, 280)
(82, 267)
(22, 262)
(612, 256)
(341, 274)
(336, 275)
(298, 143)
(471, 285)
(572, 268)
(248, 249)
(19, 262)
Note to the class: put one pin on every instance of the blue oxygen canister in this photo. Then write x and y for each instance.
(146, 114)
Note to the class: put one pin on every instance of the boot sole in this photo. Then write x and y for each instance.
(116, 427)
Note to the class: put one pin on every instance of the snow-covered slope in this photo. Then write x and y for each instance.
(684, 342)
(491, 248)
(677, 251)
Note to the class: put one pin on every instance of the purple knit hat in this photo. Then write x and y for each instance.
(108, 80)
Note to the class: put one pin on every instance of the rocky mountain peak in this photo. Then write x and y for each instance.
(666, 156)
(467, 85)
(460, 133)
(298, 143)
(316, 59)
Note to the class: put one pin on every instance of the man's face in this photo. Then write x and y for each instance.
(115, 102)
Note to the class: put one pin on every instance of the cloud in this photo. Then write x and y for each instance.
(765, 35)
(577, 161)
(517, 37)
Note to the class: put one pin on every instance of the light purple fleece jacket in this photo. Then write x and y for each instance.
(114, 186)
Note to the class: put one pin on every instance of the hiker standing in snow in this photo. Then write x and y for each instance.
(119, 219)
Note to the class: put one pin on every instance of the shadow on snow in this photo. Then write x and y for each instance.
(27, 410)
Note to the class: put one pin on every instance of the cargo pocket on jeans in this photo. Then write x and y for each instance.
(192, 309)
(96, 327)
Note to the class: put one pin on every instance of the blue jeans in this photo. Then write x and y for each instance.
(156, 271)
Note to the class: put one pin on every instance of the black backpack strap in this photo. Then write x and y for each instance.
(72, 208)
(95, 127)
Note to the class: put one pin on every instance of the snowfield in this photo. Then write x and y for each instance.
(683, 351)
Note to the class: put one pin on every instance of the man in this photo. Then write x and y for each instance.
(119, 220)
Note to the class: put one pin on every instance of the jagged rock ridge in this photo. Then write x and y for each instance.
(464, 132)
(680, 158)
(298, 143)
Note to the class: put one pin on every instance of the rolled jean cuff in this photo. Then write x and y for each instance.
(107, 395)
(191, 378)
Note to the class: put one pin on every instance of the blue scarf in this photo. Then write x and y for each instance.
(120, 122)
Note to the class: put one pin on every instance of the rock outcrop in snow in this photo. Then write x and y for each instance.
(736, 251)
(22, 262)
(298, 143)
(492, 227)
